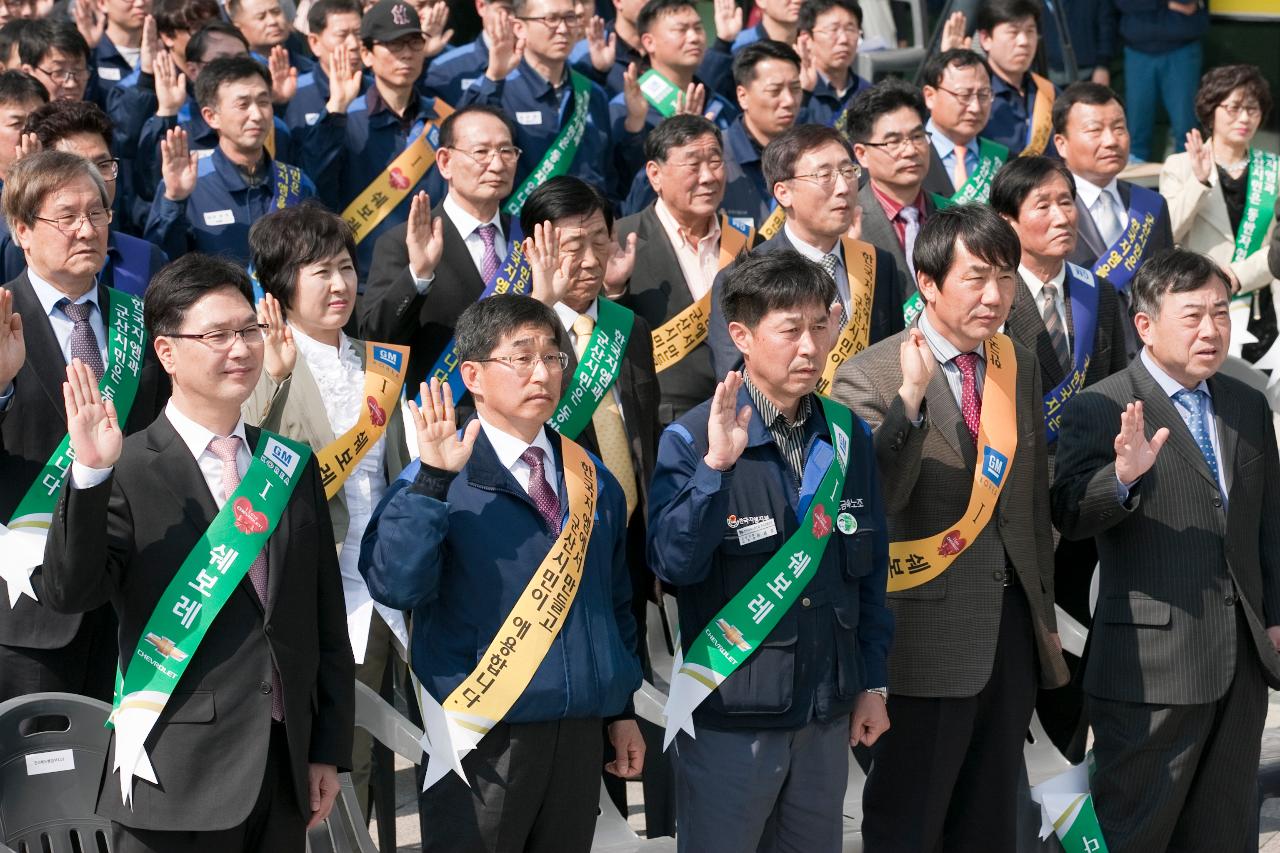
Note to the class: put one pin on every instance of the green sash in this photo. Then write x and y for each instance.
(660, 92)
(1259, 205)
(200, 587)
(745, 622)
(991, 156)
(598, 370)
(564, 147)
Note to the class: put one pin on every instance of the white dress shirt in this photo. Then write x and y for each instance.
(698, 261)
(944, 351)
(816, 255)
(467, 226)
(509, 447)
(1088, 193)
(49, 297)
(1036, 286)
(567, 318)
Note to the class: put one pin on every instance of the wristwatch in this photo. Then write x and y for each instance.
(882, 692)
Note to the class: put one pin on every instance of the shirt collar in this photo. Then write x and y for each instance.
(466, 223)
(1088, 191)
(377, 104)
(568, 316)
(312, 349)
(944, 146)
(672, 227)
(1167, 383)
(809, 250)
(541, 85)
(740, 145)
(508, 447)
(943, 349)
(1003, 88)
(1035, 285)
(50, 296)
(197, 437)
(892, 207)
(769, 413)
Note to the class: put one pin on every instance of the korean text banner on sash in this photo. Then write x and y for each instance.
(1083, 290)
(1119, 264)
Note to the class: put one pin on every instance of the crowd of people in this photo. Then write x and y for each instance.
(330, 353)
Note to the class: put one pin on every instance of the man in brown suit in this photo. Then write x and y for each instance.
(973, 598)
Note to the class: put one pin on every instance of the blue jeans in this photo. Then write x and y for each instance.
(1168, 77)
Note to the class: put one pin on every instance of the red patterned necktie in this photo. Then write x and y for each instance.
(970, 402)
(540, 490)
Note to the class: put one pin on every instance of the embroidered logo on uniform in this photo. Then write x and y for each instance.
(400, 15)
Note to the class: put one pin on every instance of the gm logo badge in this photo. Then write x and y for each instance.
(389, 357)
(994, 464)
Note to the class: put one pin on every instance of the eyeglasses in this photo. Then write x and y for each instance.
(65, 75)
(221, 339)
(832, 32)
(1233, 110)
(553, 22)
(109, 169)
(826, 178)
(524, 363)
(983, 96)
(901, 144)
(484, 156)
(70, 223)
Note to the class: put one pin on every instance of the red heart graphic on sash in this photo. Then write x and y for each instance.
(953, 543)
(376, 413)
(398, 180)
(248, 519)
(821, 521)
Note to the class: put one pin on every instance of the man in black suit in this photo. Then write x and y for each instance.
(811, 173)
(1092, 137)
(428, 270)
(1188, 616)
(58, 207)
(245, 751)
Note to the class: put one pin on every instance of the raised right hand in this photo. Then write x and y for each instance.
(437, 429)
(1135, 454)
(179, 166)
(13, 349)
(551, 274)
(423, 237)
(280, 353)
(918, 366)
(728, 17)
(953, 33)
(147, 56)
(170, 84)
(91, 420)
(726, 425)
(1201, 154)
(505, 49)
(345, 76)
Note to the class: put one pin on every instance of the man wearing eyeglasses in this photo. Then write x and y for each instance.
(456, 540)
(957, 93)
(828, 44)
(54, 52)
(59, 209)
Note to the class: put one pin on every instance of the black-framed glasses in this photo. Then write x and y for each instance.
(524, 363)
(553, 22)
(225, 338)
(484, 156)
(826, 178)
(65, 75)
(983, 96)
(70, 223)
(895, 144)
(109, 169)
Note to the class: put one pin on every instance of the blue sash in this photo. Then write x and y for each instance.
(1083, 288)
(1119, 264)
(133, 273)
(514, 275)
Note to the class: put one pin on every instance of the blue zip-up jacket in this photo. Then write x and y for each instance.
(824, 105)
(216, 217)
(458, 550)
(108, 70)
(1150, 26)
(345, 152)
(749, 35)
(1010, 118)
(307, 105)
(454, 71)
(833, 643)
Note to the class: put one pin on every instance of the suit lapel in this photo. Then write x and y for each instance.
(44, 356)
(180, 474)
(878, 230)
(458, 258)
(1159, 411)
(945, 416)
(936, 179)
(665, 262)
(1026, 325)
(277, 545)
(1226, 415)
(1089, 233)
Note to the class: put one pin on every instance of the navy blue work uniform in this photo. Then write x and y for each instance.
(715, 70)
(216, 217)
(1010, 120)
(308, 104)
(456, 70)
(824, 104)
(108, 70)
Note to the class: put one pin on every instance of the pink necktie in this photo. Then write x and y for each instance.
(540, 490)
(225, 449)
(970, 403)
(489, 263)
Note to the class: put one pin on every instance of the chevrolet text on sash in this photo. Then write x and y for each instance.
(22, 540)
(860, 260)
(598, 370)
(1083, 290)
(745, 622)
(920, 561)
(991, 156)
(194, 598)
(682, 334)
(384, 369)
(1119, 263)
(564, 147)
(402, 174)
(454, 728)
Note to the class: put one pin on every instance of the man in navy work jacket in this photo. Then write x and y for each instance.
(735, 478)
(457, 538)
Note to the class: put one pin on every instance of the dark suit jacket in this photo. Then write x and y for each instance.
(936, 180)
(945, 637)
(886, 305)
(30, 430)
(878, 231)
(1090, 246)
(657, 292)
(1175, 562)
(120, 542)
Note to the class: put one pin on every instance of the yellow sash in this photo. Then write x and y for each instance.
(505, 669)
(860, 261)
(1041, 117)
(384, 370)
(920, 561)
(773, 224)
(270, 143)
(386, 191)
(682, 334)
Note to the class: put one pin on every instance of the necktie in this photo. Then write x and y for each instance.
(1193, 402)
(225, 449)
(489, 263)
(970, 403)
(1106, 218)
(911, 216)
(84, 344)
(1053, 323)
(611, 433)
(828, 263)
(540, 490)
(959, 171)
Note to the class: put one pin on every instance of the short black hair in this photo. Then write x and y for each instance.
(676, 131)
(1216, 86)
(993, 13)
(483, 325)
(980, 228)
(45, 34)
(560, 197)
(1082, 92)
(223, 70)
(1172, 271)
(186, 15)
(654, 8)
(811, 10)
(781, 155)
(11, 35)
(19, 87)
(318, 14)
(886, 97)
(1020, 176)
(285, 241)
(199, 44)
(447, 126)
(57, 120)
(182, 283)
(773, 281)
(935, 67)
(746, 59)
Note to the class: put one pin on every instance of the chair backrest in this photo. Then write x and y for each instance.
(52, 749)
(872, 64)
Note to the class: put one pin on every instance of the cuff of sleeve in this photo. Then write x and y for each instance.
(422, 285)
(84, 477)
(1123, 492)
(432, 482)
(628, 713)
(877, 673)
(708, 480)
(6, 397)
